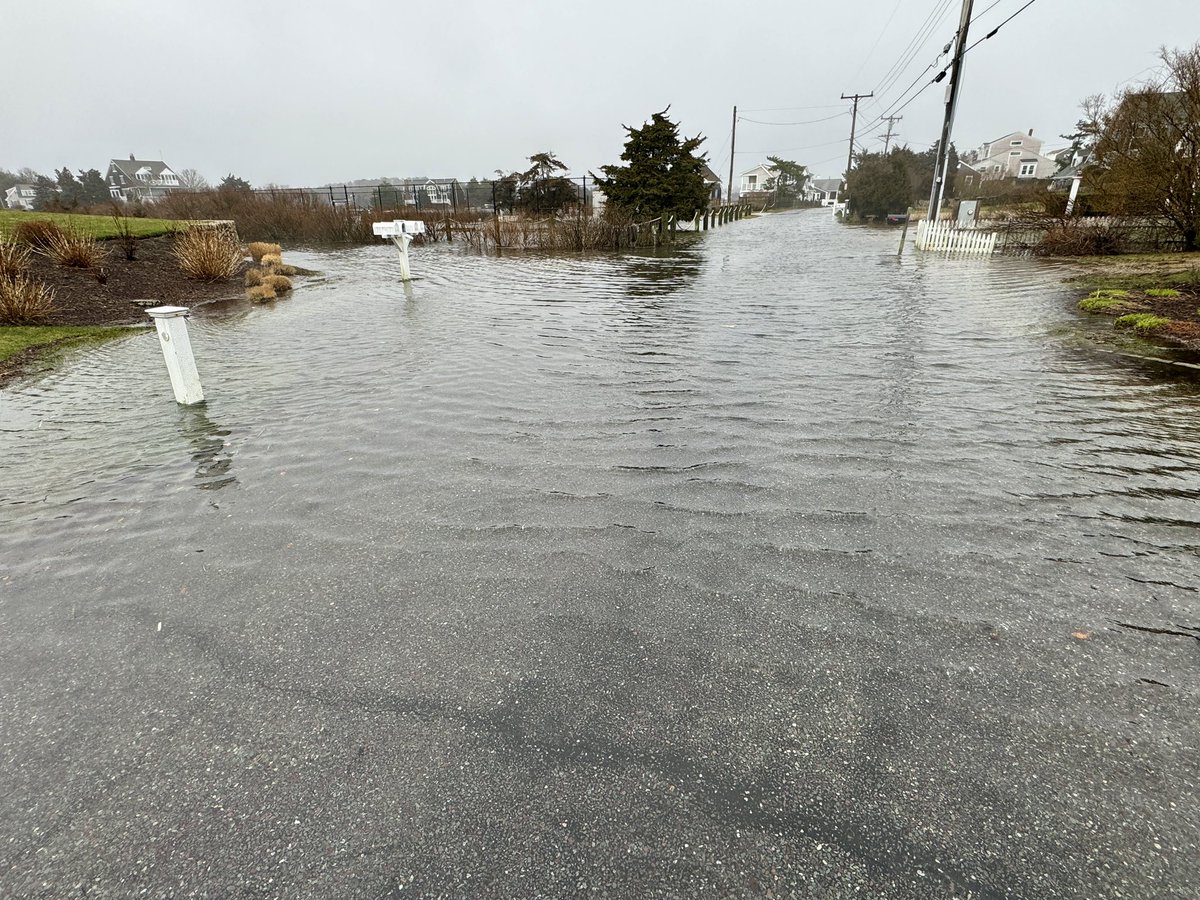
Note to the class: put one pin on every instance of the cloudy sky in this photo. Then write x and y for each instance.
(309, 93)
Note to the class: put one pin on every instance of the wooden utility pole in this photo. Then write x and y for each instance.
(732, 143)
(938, 191)
(887, 138)
(853, 124)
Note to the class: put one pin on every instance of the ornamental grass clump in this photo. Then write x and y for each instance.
(14, 258)
(261, 293)
(24, 301)
(37, 233)
(280, 284)
(71, 246)
(1169, 293)
(271, 261)
(208, 254)
(259, 249)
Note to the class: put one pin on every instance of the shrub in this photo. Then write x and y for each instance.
(14, 258)
(259, 249)
(208, 254)
(24, 301)
(280, 284)
(254, 276)
(1142, 322)
(37, 233)
(125, 239)
(260, 293)
(271, 261)
(73, 247)
(1072, 238)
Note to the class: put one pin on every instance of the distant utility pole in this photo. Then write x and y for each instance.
(938, 192)
(732, 142)
(853, 124)
(887, 138)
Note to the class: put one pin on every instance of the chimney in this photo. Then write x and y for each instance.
(132, 157)
(1031, 132)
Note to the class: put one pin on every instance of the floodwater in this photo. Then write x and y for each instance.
(769, 564)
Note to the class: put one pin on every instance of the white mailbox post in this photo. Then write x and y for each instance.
(401, 231)
(171, 323)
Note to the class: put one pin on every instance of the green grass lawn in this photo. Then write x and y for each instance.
(98, 226)
(15, 338)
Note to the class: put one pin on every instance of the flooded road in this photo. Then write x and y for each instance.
(772, 564)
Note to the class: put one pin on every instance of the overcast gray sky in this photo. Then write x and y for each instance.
(308, 93)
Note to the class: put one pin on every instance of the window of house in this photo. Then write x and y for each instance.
(1014, 143)
(752, 180)
(1015, 153)
(1027, 170)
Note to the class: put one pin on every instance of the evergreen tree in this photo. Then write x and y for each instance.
(232, 183)
(69, 189)
(789, 180)
(92, 189)
(662, 173)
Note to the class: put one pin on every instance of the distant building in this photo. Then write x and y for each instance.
(140, 179)
(753, 181)
(712, 181)
(824, 191)
(1015, 155)
(20, 196)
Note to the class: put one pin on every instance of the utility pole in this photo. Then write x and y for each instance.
(853, 124)
(887, 138)
(732, 143)
(938, 192)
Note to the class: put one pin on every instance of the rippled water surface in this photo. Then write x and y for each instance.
(656, 499)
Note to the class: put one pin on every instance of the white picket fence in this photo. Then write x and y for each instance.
(945, 237)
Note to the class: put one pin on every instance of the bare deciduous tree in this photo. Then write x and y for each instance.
(192, 180)
(1146, 158)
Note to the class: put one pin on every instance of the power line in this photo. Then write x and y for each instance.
(993, 32)
(794, 108)
(882, 32)
(924, 31)
(808, 122)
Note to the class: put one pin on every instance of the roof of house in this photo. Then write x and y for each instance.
(762, 166)
(709, 175)
(130, 167)
(828, 185)
(21, 187)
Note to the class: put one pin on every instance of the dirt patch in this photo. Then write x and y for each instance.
(104, 294)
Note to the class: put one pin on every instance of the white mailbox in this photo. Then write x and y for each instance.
(401, 233)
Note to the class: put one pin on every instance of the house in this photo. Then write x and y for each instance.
(1014, 155)
(20, 196)
(140, 179)
(754, 180)
(824, 191)
(712, 181)
(969, 176)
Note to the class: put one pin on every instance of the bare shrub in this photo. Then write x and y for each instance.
(14, 258)
(37, 233)
(24, 301)
(125, 238)
(1077, 238)
(208, 254)
(260, 293)
(259, 249)
(71, 246)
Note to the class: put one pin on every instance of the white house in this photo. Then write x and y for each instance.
(754, 180)
(140, 179)
(1015, 155)
(20, 196)
(824, 191)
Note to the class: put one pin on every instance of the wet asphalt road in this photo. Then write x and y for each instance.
(613, 577)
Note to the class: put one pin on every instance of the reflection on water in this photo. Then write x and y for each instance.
(210, 448)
